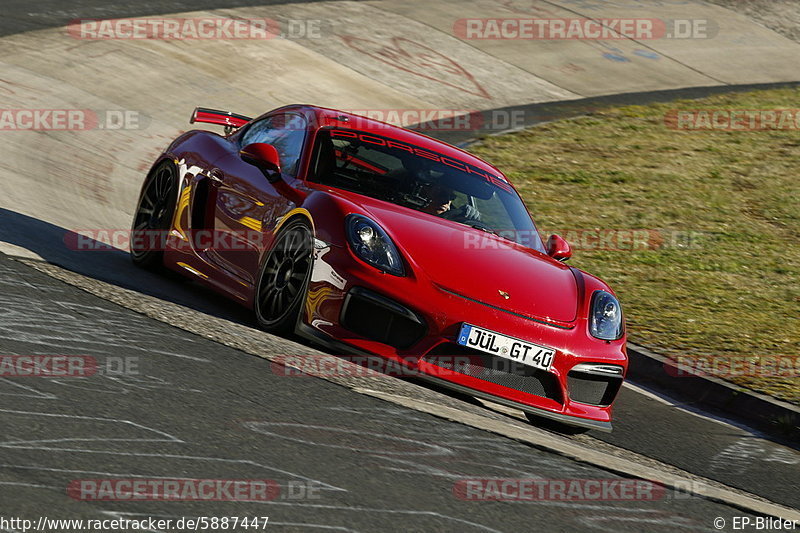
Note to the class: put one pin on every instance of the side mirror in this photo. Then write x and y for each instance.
(264, 157)
(558, 248)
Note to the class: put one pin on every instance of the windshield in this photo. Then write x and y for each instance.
(406, 175)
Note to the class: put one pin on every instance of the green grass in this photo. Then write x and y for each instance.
(732, 289)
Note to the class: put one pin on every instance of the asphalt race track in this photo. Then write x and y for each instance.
(200, 410)
(187, 388)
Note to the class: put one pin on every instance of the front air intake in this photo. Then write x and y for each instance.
(594, 387)
(381, 319)
(498, 370)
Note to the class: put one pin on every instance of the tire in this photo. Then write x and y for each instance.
(153, 218)
(552, 425)
(283, 278)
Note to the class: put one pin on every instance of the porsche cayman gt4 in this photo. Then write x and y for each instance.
(374, 239)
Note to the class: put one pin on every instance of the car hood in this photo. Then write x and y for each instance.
(480, 266)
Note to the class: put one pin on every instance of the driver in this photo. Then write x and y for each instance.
(440, 203)
(440, 200)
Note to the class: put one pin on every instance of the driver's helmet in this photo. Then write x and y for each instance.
(439, 194)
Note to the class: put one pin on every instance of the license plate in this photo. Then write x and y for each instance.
(506, 347)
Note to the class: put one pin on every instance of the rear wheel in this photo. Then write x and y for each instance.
(153, 218)
(283, 279)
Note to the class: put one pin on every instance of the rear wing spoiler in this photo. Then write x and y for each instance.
(231, 121)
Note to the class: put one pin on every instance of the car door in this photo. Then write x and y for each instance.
(246, 202)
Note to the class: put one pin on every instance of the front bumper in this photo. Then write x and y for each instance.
(415, 322)
(598, 425)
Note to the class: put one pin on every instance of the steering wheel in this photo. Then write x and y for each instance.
(466, 214)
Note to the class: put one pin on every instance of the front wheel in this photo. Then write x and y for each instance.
(283, 279)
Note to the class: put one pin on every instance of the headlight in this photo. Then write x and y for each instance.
(605, 320)
(372, 245)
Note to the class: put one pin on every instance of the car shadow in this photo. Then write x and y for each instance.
(54, 244)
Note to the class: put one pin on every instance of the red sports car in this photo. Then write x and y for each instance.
(374, 239)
